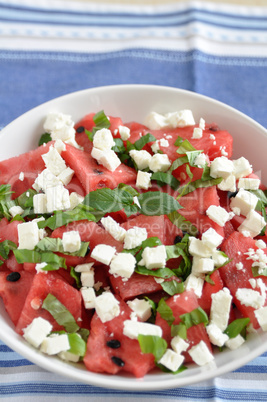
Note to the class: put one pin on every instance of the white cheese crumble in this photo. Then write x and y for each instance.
(218, 214)
(141, 158)
(107, 306)
(182, 118)
(113, 228)
(122, 264)
(71, 241)
(250, 297)
(143, 180)
(154, 257)
(171, 360)
(134, 328)
(36, 332)
(134, 237)
(201, 354)
(103, 253)
(141, 308)
(220, 308)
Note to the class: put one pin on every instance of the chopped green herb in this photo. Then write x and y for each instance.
(5, 247)
(45, 138)
(172, 287)
(179, 330)
(178, 220)
(165, 312)
(163, 178)
(236, 327)
(56, 245)
(101, 121)
(195, 317)
(153, 344)
(158, 273)
(145, 139)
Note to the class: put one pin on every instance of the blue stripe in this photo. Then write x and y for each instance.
(15, 363)
(33, 15)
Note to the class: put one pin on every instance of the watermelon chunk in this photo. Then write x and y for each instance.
(235, 246)
(93, 176)
(208, 289)
(42, 285)
(14, 293)
(136, 285)
(98, 357)
(180, 304)
(153, 224)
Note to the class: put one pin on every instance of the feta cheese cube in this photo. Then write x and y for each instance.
(219, 258)
(87, 267)
(122, 264)
(40, 267)
(28, 233)
(69, 357)
(155, 121)
(218, 215)
(254, 223)
(260, 244)
(103, 253)
(134, 237)
(53, 161)
(134, 328)
(59, 146)
(60, 126)
(21, 176)
(202, 123)
(217, 337)
(75, 199)
(162, 142)
(103, 139)
(178, 344)
(245, 201)
(113, 228)
(141, 308)
(37, 331)
(55, 344)
(242, 167)
(141, 158)
(57, 198)
(71, 241)
(234, 343)
(171, 360)
(194, 283)
(44, 180)
(198, 248)
(201, 160)
(88, 278)
(201, 354)
(228, 184)
(211, 238)
(107, 306)
(248, 183)
(66, 175)
(16, 210)
(250, 297)
(89, 297)
(159, 163)
(197, 133)
(107, 158)
(220, 308)
(202, 266)
(39, 203)
(154, 257)
(143, 180)
(221, 167)
(182, 118)
(124, 132)
(261, 315)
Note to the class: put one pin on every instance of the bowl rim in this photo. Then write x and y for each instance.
(110, 381)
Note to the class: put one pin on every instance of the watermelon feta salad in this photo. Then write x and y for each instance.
(131, 247)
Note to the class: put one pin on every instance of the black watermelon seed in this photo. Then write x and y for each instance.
(114, 344)
(231, 194)
(80, 129)
(177, 239)
(98, 171)
(116, 360)
(213, 128)
(13, 277)
(88, 250)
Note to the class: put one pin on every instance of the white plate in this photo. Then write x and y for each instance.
(134, 102)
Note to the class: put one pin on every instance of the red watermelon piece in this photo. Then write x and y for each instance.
(208, 289)
(235, 246)
(153, 224)
(42, 285)
(180, 304)
(93, 176)
(14, 293)
(98, 357)
(136, 285)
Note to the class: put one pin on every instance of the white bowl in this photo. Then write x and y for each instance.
(134, 102)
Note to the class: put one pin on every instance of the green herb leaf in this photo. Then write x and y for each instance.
(25, 200)
(44, 139)
(60, 313)
(193, 185)
(179, 330)
(53, 261)
(119, 146)
(184, 147)
(23, 255)
(5, 247)
(180, 221)
(101, 121)
(152, 344)
(165, 312)
(77, 276)
(158, 273)
(77, 344)
(236, 327)
(145, 139)
(165, 178)
(157, 203)
(195, 317)
(150, 242)
(56, 245)
(173, 287)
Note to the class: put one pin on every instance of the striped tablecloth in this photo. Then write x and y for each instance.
(50, 48)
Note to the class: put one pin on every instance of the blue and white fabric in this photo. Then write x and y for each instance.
(49, 48)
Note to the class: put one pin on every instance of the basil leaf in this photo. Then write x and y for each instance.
(206, 173)
(179, 330)
(185, 147)
(193, 185)
(44, 139)
(256, 272)
(62, 218)
(153, 306)
(128, 188)
(178, 162)
(192, 156)
(260, 195)
(195, 317)
(179, 140)
(150, 242)
(53, 261)
(56, 245)
(236, 327)
(157, 203)
(101, 121)
(119, 146)
(23, 255)
(178, 220)
(165, 178)
(172, 287)
(77, 344)
(77, 276)
(166, 370)
(17, 218)
(145, 139)
(165, 312)
(60, 313)
(158, 273)
(5, 201)
(152, 344)
(5, 191)
(25, 200)
(5, 247)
